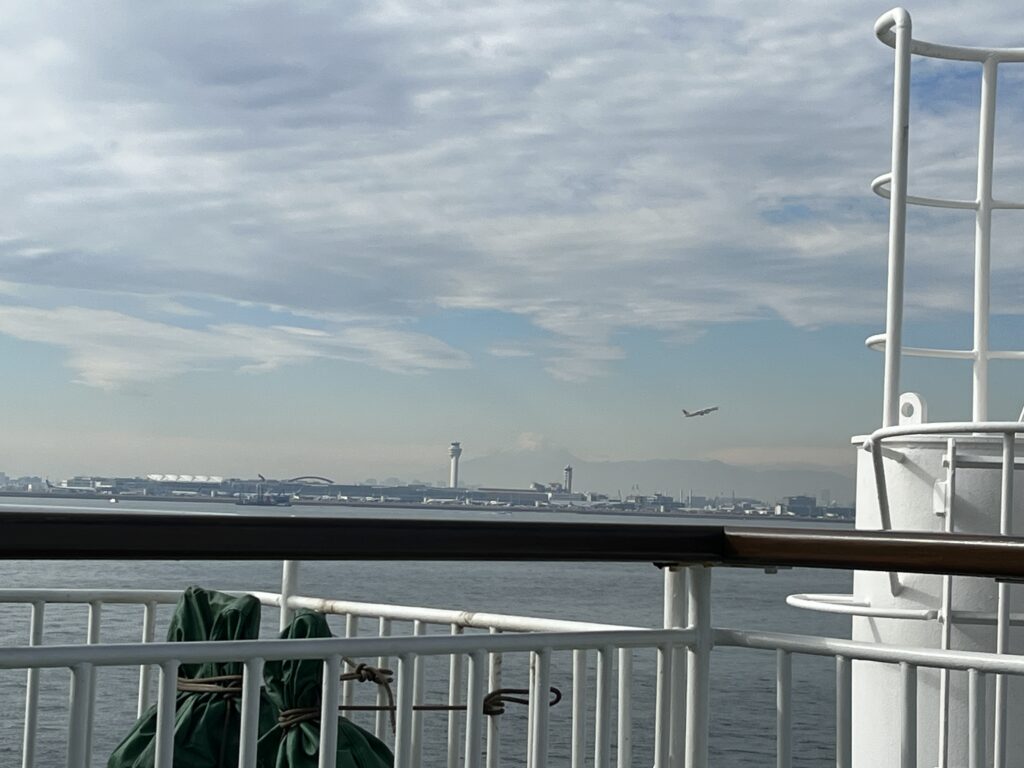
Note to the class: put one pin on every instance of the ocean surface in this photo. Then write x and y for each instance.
(743, 682)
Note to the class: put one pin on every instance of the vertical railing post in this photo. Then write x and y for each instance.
(983, 236)
(603, 709)
(493, 734)
(784, 709)
(381, 725)
(78, 716)
(975, 719)
(251, 679)
(624, 739)
(671, 694)
(579, 709)
(28, 748)
(1003, 601)
(419, 687)
(92, 638)
(478, 672)
(167, 691)
(539, 715)
(908, 718)
(946, 614)
(146, 670)
(698, 667)
(289, 587)
(844, 712)
(897, 219)
(454, 699)
(403, 715)
(330, 687)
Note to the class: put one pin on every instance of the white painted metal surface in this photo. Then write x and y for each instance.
(948, 477)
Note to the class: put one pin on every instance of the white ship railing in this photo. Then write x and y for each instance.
(476, 643)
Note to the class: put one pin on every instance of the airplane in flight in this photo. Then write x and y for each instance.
(701, 412)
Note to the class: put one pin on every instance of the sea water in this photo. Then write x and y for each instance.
(743, 681)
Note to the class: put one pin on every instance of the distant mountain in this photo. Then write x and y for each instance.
(669, 476)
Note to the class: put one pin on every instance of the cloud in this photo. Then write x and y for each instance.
(112, 350)
(509, 351)
(640, 167)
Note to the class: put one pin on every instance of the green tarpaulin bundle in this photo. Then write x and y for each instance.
(206, 722)
(295, 687)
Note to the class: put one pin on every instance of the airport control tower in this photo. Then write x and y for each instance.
(568, 478)
(455, 450)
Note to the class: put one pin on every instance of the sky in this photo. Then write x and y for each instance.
(328, 238)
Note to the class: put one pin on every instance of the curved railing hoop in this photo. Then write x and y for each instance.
(900, 17)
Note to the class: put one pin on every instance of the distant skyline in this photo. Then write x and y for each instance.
(330, 239)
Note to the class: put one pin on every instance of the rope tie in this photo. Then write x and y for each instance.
(228, 685)
(365, 673)
(493, 703)
(292, 717)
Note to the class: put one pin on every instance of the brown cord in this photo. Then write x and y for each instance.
(291, 717)
(365, 673)
(229, 685)
(493, 704)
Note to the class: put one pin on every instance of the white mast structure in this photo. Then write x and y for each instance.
(951, 478)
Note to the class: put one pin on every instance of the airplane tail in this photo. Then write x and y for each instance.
(686, 412)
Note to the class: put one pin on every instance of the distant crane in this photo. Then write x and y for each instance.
(700, 412)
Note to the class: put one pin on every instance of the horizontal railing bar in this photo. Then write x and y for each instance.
(130, 654)
(85, 596)
(51, 535)
(506, 622)
(863, 651)
(907, 551)
(848, 605)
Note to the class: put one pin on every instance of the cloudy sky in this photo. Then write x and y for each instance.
(331, 237)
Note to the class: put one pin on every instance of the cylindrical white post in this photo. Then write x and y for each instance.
(145, 670)
(579, 708)
(474, 709)
(844, 713)
(289, 587)
(251, 680)
(167, 691)
(28, 749)
(976, 719)
(330, 688)
(698, 667)
(784, 709)
(672, 667)
(897, 219)
(983, 236)
(454, 696)
(603, 709)
(494, 683)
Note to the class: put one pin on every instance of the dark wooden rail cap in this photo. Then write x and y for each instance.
(33, 534)
(205, 536)
(917, 552)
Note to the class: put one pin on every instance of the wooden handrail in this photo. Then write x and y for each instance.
(32, 534)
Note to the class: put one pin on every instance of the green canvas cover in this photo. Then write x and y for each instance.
(295, 684)
(206, 725)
